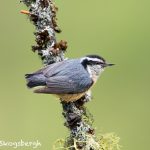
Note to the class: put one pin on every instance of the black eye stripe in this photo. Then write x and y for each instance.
(94, 62)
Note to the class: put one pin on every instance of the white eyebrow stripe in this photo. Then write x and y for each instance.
(94, 59)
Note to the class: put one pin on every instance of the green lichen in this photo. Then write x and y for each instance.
(107, 141)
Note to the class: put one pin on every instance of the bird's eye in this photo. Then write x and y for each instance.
(97, 63)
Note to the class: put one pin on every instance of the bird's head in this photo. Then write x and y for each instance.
(94, 64)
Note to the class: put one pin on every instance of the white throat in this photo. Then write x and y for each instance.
(94, 71)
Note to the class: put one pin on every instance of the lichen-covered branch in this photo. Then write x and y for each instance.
(42, 14)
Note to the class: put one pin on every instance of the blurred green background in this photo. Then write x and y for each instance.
(116, 29)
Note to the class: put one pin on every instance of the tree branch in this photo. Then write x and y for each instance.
(42, 13)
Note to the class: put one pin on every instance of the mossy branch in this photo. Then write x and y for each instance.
(42, 13)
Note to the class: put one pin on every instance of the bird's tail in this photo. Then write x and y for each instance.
(35, 79)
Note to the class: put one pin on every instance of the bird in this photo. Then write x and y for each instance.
(69, 79)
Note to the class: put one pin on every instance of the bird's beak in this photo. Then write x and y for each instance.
(110, 64)
(107, 65)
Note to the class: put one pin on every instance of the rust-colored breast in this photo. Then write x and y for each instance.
(70, 97)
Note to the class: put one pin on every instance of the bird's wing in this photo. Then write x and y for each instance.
(61, 68)
(68, 85)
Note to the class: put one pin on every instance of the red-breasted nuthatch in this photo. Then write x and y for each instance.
(69, 79)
